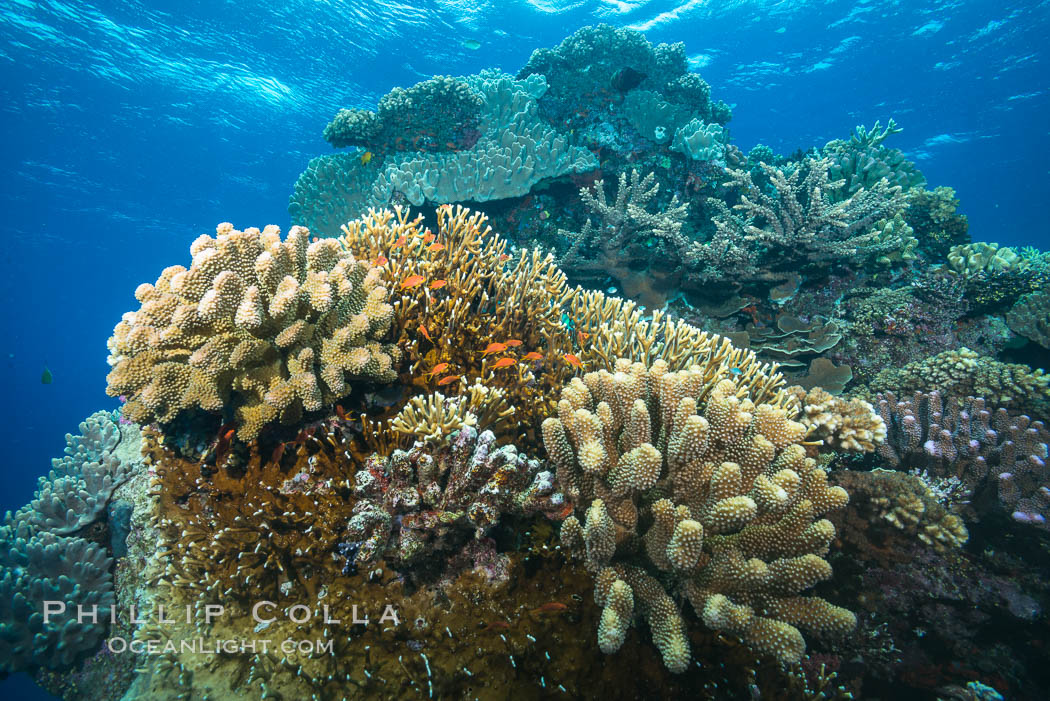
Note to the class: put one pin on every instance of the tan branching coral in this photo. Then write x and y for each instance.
(464, 307)
(849, 425)
(257, 327)
(708, 482)
(434, 417)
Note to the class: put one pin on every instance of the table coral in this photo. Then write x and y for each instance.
(258, 329)
(683, 475)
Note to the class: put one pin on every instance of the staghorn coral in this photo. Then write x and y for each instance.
(76, 491)
(40, 566)
(965, 373)
(688, 475)
(256, 328)
(997, 457)
(428, 501)
(1030, 317)
(799, 227)
(623, 238)
(906, 502)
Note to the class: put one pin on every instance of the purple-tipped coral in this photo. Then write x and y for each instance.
(432, 499)
(982, 447)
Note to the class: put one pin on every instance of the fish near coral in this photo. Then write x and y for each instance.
(494, 348)
(504, 363)
(532, 355)
(401, 241)
(411, 281)
(438, 284)
(428, 236)
(436, 370)
(448, 380)
(573, 361)
(380, 261)
(426, 334)
(435, 247)
(513, 343)
(366, 157)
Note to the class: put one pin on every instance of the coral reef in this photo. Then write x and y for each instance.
(257, 329)
(688, 476)
(934, 221)
(863, 161)
(619, 238)
(995, 457)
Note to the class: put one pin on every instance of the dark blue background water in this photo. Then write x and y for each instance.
(129, 128)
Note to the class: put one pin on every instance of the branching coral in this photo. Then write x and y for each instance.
(844, 425)
(434, 417)
(995, 277)
(798, 227)
(987, 450)
(935, 222)
(688, 476)
(257, 328)
(431, 500)
(964, 373)
(621, 239)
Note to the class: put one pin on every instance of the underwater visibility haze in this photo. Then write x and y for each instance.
(537, 349)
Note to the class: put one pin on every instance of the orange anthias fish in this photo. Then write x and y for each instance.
(411, 281)
(426, 335)
(438, 284)
(435, 247)
(533, 356)
(494, 348)
(448, 380)
(551, 607)
(436, 370)
(428, 236)
(401, 241)
(340, 412)
(498, 625)
(582, 336)
(504, 363)
(503, 257)
(573, 361)
(513, 343)
(380, 261)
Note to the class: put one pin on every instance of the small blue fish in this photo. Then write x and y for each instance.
(567, 321)
(736, 371)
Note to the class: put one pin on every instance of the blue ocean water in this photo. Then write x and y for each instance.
(129, 128)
